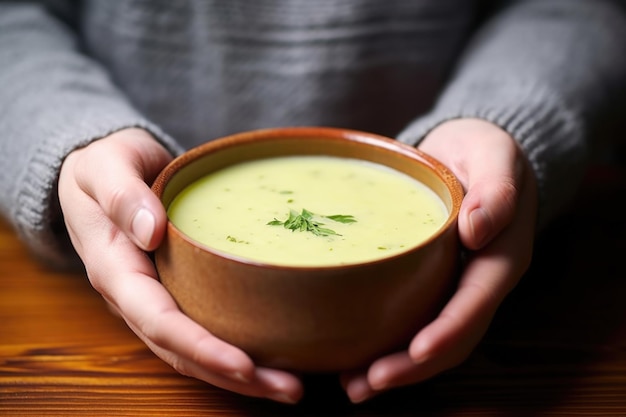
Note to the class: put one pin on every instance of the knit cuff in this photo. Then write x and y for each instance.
(38, 216)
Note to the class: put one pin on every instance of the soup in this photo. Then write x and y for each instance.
(308, 211)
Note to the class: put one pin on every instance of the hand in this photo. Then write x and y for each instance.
(113, 217)
(496, 224)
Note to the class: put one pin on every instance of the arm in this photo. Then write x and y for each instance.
(544, 71)
(513, 125)
(53, 100)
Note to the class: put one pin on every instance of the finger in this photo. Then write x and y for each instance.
(192, 350)
(154, 316)
(357, 386)
(265, 383)
(443, 344)
(282, 386)
(114, 172)
(391, 371)
(448, 340)
(161, 324)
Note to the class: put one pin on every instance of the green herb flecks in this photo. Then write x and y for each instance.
(305, 222)
(235, 240)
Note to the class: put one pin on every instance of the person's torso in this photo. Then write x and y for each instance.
(203, 69)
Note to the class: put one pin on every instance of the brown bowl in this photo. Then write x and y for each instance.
(312, 319)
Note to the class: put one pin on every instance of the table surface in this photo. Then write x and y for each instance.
(556, 348)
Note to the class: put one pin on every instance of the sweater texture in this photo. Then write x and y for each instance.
(190, 71)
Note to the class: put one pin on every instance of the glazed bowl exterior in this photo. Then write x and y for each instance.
(310, 319)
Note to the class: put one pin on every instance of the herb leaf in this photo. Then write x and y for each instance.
(342, 218)
(304, 222)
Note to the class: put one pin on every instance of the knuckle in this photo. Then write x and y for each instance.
(180, 365)
(155, 328)
(96, 281)
(150, 328)
(117, 201)
(507, 191)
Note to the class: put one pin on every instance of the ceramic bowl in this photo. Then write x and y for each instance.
(310, 319)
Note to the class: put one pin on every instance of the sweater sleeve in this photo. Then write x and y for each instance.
(53, 100)
(543, 70)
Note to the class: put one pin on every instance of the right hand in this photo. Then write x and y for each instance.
(497, 227)
(112, 217)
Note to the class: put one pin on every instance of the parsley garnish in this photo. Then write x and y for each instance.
(304, 222)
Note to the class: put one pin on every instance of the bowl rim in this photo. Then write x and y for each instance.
(374, 140)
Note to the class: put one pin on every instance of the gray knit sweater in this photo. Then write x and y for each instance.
(193, 70)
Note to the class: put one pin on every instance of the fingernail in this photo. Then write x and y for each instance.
(359, 390)
(480, 224)
(379, 381)
(282, 398)
(357, 399)
(361, 397)
(142, 227)
(380, 385)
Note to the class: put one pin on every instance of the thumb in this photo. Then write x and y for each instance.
(489, 205)
(490, 165)
(115, 171)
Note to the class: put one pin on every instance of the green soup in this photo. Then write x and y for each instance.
(308, 211)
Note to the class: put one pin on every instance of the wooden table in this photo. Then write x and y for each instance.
(557, 347)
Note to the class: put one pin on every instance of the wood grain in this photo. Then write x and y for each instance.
(556, 348)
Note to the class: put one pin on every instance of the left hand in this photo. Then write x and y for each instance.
(112, 218)
(496, 224)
